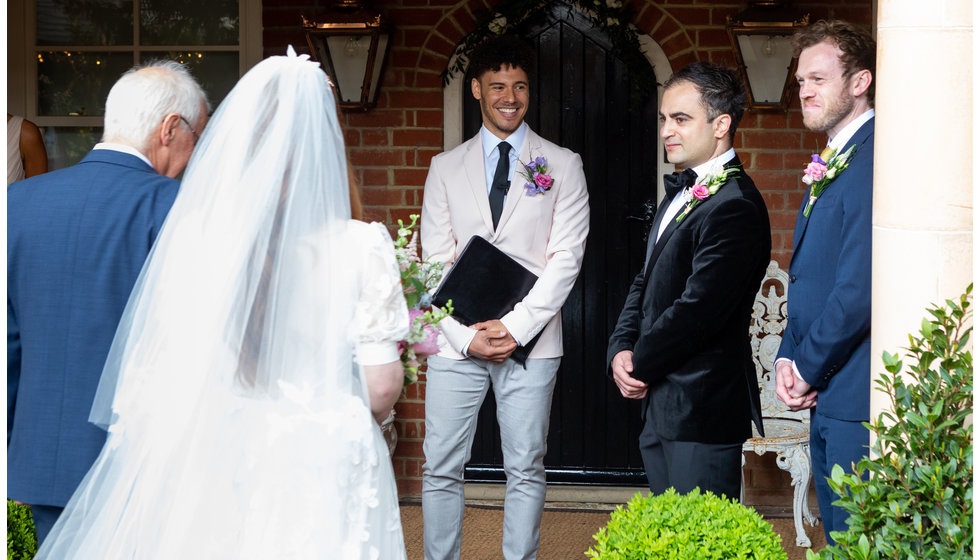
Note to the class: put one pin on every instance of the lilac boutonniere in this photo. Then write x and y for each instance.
(696, 194)
(538, 176)
(823, 169)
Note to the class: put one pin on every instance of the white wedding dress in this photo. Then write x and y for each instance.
(239, 424)
(296, 476)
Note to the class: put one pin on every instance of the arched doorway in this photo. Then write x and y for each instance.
(580, 99)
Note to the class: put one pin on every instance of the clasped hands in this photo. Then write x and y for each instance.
(492, 342)
(796, 393)
(622, 368)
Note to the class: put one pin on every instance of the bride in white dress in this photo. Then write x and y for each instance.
(255, 348)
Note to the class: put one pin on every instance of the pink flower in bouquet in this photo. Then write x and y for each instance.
(816, 170)
(430, 345)
(543, 180)
(700, 192)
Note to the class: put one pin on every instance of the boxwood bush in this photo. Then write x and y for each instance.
(672, 526)
(21, 538)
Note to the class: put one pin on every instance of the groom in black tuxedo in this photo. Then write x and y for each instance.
(681, 343)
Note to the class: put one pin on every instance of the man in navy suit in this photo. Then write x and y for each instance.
(76, 242)
(825, 356)
(681, 341)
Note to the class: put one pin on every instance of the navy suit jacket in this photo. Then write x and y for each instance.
(76, 242)
(828, 333)
(686, 318)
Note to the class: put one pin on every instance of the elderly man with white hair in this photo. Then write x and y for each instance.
(76, 242)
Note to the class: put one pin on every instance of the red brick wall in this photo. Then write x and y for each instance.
(391, 146)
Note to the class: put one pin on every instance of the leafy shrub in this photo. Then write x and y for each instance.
(918, 500)
(21, 538)
(673, 526)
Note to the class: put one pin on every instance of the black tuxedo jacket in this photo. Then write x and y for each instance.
(687, 314)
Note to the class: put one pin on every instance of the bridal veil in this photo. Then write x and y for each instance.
(238, 426)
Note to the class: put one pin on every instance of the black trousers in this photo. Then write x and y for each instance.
(684, 465)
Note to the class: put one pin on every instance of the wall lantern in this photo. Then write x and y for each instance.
(351, 42)
(762, 38)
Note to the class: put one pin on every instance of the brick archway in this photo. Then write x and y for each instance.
(651, 19)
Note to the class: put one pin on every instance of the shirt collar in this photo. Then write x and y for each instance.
(706, 167)
(490, 142)
(124, 149)
(837, 142)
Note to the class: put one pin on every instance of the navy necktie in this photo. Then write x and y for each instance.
(676, 182)
(500, 184)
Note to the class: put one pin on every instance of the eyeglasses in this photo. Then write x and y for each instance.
(194, 132)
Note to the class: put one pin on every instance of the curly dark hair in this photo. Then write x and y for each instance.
(503, 50)
(856, 46)
(720, 88)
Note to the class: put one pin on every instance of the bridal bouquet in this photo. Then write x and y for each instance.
(419, 278)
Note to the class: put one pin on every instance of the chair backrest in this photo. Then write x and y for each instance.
(766, 332)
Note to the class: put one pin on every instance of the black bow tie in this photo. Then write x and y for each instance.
(676, 182)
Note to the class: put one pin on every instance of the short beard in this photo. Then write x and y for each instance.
(842, 107)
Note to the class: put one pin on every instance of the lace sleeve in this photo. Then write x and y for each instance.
(382, 316)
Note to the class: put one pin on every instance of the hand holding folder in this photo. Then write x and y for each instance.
(483, 284)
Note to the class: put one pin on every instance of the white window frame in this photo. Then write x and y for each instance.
(22, 59)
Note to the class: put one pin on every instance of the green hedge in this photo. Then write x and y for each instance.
(21, 538)
(673, 526)
(916, 500)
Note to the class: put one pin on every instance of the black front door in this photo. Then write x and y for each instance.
(580, 100)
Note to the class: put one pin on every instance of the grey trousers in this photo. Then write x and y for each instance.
(454, 392)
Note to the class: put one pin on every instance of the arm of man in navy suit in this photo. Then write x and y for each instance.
(845, 318)
(13, 366)
(724, 261)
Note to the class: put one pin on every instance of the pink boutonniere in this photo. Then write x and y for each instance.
(696, 194)
(539, 179)
(823, 169)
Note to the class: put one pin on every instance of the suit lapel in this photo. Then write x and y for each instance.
(476, 179)
(673, 225)
(532, 144)
(652, 241)
(860, 138)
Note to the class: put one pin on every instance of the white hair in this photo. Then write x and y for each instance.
(144, 95)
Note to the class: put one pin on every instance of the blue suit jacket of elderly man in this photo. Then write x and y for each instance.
(76, 242)
(828, 332)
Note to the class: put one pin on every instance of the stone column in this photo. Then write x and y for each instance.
(924, 170)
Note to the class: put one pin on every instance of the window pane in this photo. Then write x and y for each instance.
(189, 22)
(217, 72)
(84, 22)
(77, 83)
(67, 146)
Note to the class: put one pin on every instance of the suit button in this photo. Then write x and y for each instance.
(792, 278)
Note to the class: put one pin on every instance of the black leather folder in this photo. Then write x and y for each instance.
(485, 283)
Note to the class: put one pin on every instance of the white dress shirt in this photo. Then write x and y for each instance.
(702, 172)
(124, 149)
